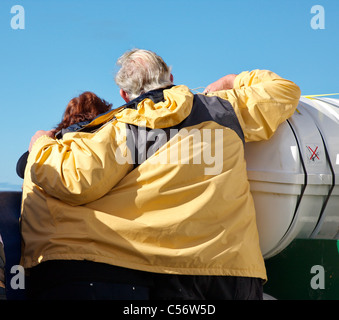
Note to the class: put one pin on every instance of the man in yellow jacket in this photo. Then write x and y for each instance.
(152, 200)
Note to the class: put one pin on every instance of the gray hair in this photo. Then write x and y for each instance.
(142, 71)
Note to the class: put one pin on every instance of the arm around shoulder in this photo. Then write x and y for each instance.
(80, 168)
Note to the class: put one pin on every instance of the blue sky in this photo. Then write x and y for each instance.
(70, 46)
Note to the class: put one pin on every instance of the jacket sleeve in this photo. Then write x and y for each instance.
(262, 100)
(83, 166)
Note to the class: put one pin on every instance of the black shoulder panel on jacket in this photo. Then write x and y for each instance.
(212, 108)
(144, 142)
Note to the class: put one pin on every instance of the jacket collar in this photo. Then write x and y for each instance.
(156, 96)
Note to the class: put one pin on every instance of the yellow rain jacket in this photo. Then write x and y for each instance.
(157, 185)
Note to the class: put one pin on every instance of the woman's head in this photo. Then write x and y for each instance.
(85, 107)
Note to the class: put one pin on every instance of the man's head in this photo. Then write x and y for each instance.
(141, 71)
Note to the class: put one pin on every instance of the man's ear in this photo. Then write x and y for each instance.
(171, 77)
(124, 95)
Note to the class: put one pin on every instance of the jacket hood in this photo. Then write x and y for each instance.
(168, 110)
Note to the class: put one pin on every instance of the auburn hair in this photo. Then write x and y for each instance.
(85, 107)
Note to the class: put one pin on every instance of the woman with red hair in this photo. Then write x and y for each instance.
(82, 109)
(79, 111)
